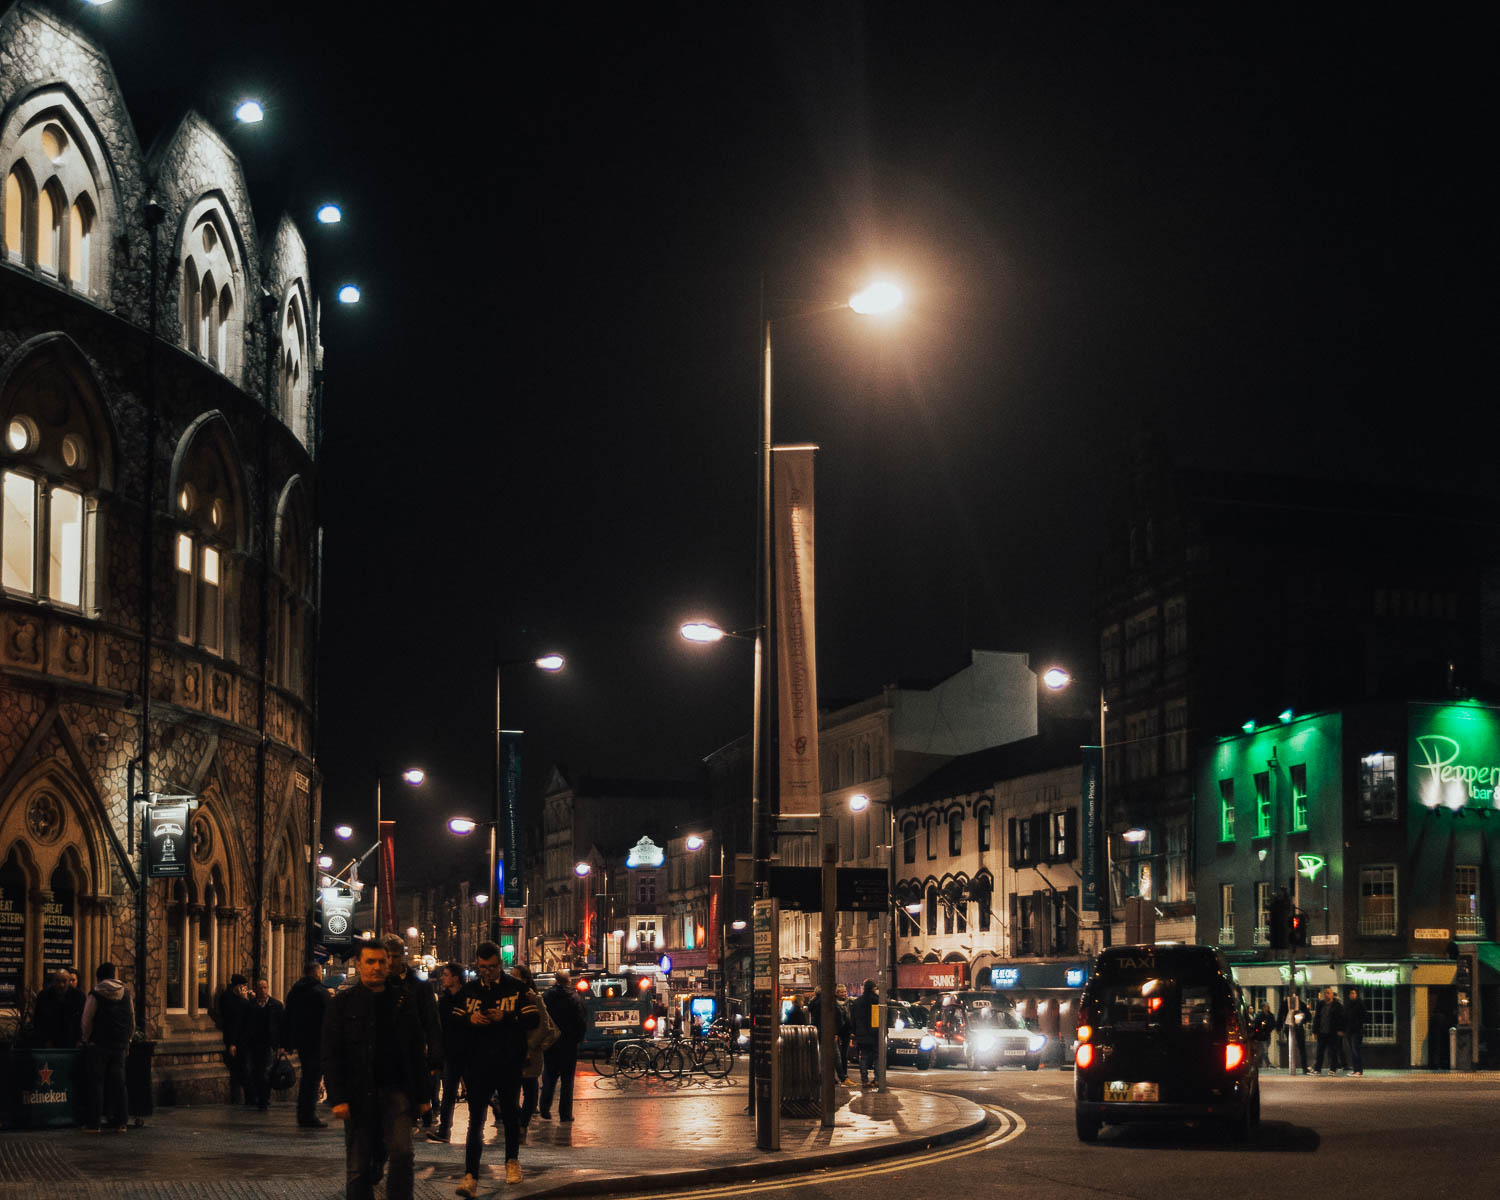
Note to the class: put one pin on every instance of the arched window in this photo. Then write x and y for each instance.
(909, 842)
(80, 243)
(295, 367)
(955, 833)
(932, 836)
(212, 279)
(294, 610)
(932, 908)
(18, 212)
(985, 819)
(50, 207)
(208, 507)
(53, 461)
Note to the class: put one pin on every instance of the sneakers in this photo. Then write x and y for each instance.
(512, 1170)
(437, 1135)
(467, 1188)
(546, 1116)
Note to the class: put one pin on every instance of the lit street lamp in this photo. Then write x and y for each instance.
(1056, 679)
(412, 777)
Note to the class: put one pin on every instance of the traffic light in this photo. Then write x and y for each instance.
(1296, 932)
(1280, 921)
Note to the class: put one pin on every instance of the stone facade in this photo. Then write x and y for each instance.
(158, 463)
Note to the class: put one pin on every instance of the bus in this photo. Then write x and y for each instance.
(616, 1004)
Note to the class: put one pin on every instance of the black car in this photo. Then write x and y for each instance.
(1163, 1035)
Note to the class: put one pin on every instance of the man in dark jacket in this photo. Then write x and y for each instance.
(421, 993)
(866, 1035)
(561, 1058)
(454, 1019)
(233, 1010)
(262, 1038)
(376, 1075)
(1354, 1032)
(108, 1021)
(1328, 1024)
(58, 1019)
(306, 1003)
(502, 1011)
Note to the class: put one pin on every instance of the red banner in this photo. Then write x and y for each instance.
(715, 918)
(387, 853)
(936, 977)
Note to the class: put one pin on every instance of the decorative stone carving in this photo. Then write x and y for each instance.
(75, 651)
(45, 818)
(23, 641)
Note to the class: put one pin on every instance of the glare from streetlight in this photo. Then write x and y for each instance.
(914, 908)
(348, 294)
(249, 112)
(551, 662)
(694, 842)
(414, 776)
(343, 832)
(581, 869)
(325, 861)
(736, 925)
(1134, 836)
(859, 802)
(481, 898)
(1056, 678)
(701, 631)
(878, 298)
(330, 214)
(411, 931)
(462, 825)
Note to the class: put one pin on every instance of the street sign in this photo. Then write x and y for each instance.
(1323, 939)
(863, 889)
(798, 889)
(1431, 935)
(860, 889)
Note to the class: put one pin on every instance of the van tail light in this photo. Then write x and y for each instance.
(1085, 1056)
(650, 1024)
(1084, 1033)
(1234, 1055)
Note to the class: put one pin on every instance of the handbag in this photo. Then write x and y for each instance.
(283, 1074)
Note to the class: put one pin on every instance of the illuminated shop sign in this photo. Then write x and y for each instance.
(1310, 864)
(645, 853)
(1455, 757)
(1373, 974)
(1005, 977)
(1077, 976)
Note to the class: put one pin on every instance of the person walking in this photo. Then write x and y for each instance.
(537, 1043)
(453, 1017)
(1265, 1046)
(845, 1030)
(401, 976)
(1293, 1020)
(1328, 1024)
(306, 1003)
(264, 1017)
(797, 1014)
(233, 1005)
(1354, 1032)
(376, 1074)
(560, 1061)
(866, 1034)
(502, 1011)
(107, 1022)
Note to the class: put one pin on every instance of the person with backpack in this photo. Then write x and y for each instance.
(561, 1058)
(537, 1043)
(108, 1020)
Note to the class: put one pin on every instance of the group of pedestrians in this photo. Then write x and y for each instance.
(101, 1023)
(855, 1031)
(252, 1023)
(392, 1054)
(1336, 1026)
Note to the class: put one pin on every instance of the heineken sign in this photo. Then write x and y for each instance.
(1454, 757)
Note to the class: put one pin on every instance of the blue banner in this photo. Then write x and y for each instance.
(512, 840)
(1093, 816)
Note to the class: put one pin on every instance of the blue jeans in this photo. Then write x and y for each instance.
(373, 1136)
(1356, 1044)
(867, 1053)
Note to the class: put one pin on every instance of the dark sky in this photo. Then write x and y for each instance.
(1251, 228)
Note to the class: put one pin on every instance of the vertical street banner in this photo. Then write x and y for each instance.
(338, 917)
(1093, 816)
(512, 846)
(796, 641)
(166, 826)
(711, 941)
(387, 877)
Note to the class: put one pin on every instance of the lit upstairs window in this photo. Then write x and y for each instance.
(1226, 810)
(1299, 797)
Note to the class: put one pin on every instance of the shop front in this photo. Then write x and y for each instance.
(1044, 993)
(919, 979)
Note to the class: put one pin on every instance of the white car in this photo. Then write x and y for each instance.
(996, 1037)
(908, 1042)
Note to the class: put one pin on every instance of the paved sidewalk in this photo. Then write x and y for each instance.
(635, 1138)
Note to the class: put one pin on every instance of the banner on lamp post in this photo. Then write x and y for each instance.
(800, 793)
(166, 826)
(715, 918)
(1093, 816)
(387, 854)
(512, 848)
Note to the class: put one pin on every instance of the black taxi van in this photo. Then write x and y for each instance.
(1163, 1035)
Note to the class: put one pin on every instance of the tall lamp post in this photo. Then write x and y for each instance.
(412, 777)
(859, 803)
(551, 663)
(1056, 679)
(583, 870)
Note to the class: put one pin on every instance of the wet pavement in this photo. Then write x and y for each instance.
(636, 1137)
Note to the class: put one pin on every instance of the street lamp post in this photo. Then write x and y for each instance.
(551, 662)
(1056, 679)
(413, 777)
(858, 803)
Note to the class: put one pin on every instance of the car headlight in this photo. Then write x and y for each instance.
(928, 1042)
(1035, 1042)
(985, 1041)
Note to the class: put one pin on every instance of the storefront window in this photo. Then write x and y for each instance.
(1380, 1013)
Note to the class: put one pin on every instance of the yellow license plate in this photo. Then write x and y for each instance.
(1119, 1089)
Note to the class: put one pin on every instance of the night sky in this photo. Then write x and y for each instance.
(1250, 228)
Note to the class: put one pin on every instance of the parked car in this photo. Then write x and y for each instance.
(908, 1041)
(997, 1037)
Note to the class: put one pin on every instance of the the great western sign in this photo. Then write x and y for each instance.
(1454, 757)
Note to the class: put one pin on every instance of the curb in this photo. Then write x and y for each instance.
(769, 1166)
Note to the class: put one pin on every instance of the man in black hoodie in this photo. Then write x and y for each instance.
(377, 1079)
(306, 1003)
(561, 1058)
(108, 1020)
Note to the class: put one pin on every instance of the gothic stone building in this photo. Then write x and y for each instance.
(158, 416)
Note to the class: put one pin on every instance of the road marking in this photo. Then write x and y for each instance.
(1012, 1126)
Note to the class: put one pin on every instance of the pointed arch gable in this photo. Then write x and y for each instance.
(40, 363)
(210, 435)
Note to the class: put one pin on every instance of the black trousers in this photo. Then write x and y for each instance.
(1329, 1047)
(482, 1081)
(258, 1074)
(374, 1136)
(308, 1079)
(107, 1096)
(560, 1068)
(528, 1099)
(452, 1073)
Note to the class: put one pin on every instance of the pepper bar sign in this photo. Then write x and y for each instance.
(168, 854)
(1455, 757)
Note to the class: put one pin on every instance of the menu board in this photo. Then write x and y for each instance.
(58, 932)
(12, 940)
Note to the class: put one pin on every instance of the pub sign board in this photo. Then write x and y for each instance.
(168, 840)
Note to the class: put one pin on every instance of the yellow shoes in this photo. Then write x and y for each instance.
(512, 1171)
(467, 1188)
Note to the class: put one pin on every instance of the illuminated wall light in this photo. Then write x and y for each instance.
(330, 214)
(1285, 716)
(249, 112)
(1249, 726)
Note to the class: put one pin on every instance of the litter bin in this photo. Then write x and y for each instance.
(138, 1080)
(801, 1079)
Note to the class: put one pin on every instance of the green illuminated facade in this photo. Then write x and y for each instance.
(1382, 822)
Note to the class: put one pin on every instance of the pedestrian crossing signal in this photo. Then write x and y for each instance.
(1296, 934)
